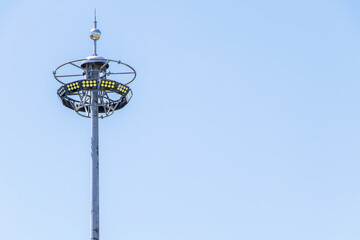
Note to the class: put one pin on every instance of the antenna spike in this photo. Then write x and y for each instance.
(95, 22)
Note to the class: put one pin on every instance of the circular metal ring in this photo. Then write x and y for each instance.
(103, 68)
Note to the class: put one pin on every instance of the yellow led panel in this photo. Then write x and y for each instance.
(107, 84)
(88, 83)
(122, 88)
(72, 86)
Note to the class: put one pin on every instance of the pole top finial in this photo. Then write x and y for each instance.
(95, 33)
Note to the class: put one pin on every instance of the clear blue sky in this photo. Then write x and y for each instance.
(244, 122)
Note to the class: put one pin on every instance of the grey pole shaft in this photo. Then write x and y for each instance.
(94, 219)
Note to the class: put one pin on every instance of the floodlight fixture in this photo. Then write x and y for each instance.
(87, 89)
(76, 94)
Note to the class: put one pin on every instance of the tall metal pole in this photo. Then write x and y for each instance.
(82, 94)
(94, 218)
(94, 73)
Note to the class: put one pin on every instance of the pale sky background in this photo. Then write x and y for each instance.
(244, 124)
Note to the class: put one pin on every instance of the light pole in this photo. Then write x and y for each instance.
(95, 96)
